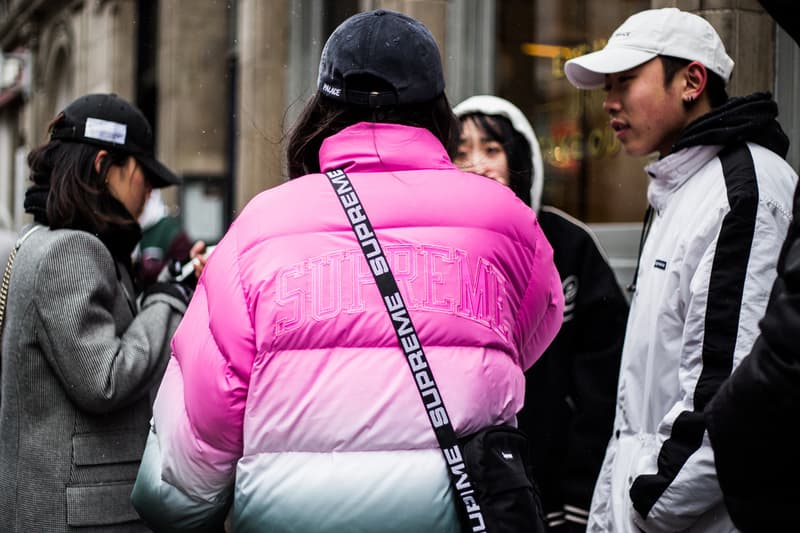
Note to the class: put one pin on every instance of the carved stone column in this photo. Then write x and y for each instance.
(263, 34)
(192, 86)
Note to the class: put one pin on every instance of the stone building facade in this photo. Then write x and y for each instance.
(222, 82)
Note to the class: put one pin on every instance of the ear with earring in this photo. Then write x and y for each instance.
(694, 81)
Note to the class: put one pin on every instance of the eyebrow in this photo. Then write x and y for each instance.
(482, 140)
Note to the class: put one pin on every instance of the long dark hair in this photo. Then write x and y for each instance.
(518, 151)
(323, 117)
(76, 194)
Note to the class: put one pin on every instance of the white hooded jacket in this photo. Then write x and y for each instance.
(492, 105)
(721, 211)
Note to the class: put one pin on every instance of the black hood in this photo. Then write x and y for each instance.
(742, 119)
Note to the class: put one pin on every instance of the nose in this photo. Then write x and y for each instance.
(477, 163)
(611, 104)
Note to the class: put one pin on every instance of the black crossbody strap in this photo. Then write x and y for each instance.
(410, 345)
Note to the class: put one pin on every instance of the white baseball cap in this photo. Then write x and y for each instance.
(645, 35)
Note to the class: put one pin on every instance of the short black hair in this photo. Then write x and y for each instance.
(715, 86)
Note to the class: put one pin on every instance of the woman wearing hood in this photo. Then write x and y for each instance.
(570, 392)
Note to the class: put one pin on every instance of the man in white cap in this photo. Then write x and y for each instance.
(720, 204)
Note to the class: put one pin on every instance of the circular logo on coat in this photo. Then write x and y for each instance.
(570, 286)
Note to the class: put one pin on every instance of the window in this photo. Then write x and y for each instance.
(586, 172)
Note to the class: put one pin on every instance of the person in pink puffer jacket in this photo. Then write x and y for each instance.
(288, 404)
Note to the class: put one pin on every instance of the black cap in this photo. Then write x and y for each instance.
(108, 121)
(393, 47)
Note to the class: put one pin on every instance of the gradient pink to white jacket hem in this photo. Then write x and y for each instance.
(286, 348)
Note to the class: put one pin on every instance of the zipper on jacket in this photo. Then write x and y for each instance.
(648, 221)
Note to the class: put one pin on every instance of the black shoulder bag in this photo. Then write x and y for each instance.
(490, 470)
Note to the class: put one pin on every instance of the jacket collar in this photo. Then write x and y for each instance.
(667, 175)
(376, 147)
(742, 119)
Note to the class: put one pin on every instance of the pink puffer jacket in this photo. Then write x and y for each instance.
(287, 387)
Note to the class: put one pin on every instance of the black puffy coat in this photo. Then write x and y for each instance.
(754, 419)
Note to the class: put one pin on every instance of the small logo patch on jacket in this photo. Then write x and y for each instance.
(570, 287)
(661, 264)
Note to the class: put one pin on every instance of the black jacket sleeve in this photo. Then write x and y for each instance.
(754, 419)
(571, 391)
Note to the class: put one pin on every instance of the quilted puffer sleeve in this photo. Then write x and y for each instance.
(187, 473)
(542, 308)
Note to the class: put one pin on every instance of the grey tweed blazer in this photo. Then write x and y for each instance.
(79, 368)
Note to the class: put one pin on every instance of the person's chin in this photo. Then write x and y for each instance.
(634, 150)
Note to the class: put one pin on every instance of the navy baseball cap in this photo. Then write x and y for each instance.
(108, 121)
(394, 48)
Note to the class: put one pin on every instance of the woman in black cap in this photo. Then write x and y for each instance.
(81, 357)
(288, 395)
